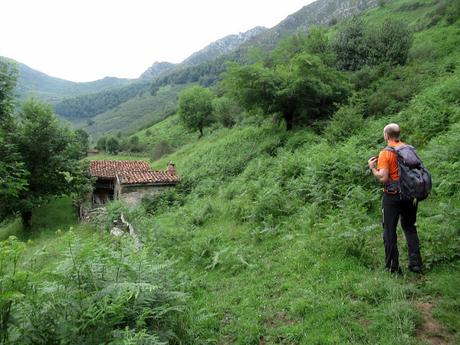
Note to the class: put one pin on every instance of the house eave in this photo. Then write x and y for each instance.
(148, 184)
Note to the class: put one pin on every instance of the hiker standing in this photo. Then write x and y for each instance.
(400, 197)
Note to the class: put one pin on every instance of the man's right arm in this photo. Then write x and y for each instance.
(381, 174)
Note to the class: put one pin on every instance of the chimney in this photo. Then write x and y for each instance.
(171, 168)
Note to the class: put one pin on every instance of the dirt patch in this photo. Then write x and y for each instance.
(365, 322)
(277, 320)
(431, 331)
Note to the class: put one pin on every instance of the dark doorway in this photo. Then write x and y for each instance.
(104, 190)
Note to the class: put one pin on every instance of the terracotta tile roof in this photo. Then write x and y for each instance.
(140, 177)
(109, 169)
(132, 172)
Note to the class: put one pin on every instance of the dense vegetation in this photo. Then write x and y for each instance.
(273, 236)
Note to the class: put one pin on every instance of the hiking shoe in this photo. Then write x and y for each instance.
(415, 269)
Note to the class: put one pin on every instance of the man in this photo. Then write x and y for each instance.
(393, 207)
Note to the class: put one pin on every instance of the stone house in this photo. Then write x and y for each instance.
(128, 181)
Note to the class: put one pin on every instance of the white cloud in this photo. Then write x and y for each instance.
(84, 40)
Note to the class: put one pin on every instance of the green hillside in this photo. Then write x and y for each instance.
(273, 236)
(280, 233)
(143, 110)
(52, 90)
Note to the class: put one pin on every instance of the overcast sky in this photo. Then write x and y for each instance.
(83, 40)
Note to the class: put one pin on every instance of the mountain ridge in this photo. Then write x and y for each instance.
(222, 46)
(203, 66)
(32, 82)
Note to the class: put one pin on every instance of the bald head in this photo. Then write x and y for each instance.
(391, 131)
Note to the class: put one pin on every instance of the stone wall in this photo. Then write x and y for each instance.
(132, 195)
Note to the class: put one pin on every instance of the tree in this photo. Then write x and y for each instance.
(101, 143)
(112, 145)
(359, 44)
(195, 108)
(351, 46)
(13, 175)
(302, 90)
(391, 42)
(82, 138)
(226, 111)
(47, 150)
(135, 144)
(8, 74)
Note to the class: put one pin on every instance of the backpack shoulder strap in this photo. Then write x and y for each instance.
(389, 148)
(397, 148)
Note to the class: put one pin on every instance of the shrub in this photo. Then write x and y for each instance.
(432, 112)
(101, 292)
(347, 121)
(226, 111)
(358, 44)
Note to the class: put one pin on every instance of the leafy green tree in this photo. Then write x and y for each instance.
(82, 138)
(8, 74)
(390, 43)
(12, 171)
(112, 145)
(359, 44)
(47, 150)
(315, 42)
(351, 46)
(135, 144)
(303, 90)
(101, 143)
(195, 108)
(226, 111)
(287, 48)
(318, 43)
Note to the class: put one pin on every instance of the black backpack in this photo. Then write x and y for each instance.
(414, 178)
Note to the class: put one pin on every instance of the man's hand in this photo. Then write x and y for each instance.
(371, 162)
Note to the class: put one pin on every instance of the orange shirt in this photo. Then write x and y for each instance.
(388, 160)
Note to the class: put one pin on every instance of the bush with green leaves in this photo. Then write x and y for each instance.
(102, 291)
(14, 285)
(226, 111)
(359, 44)
(347, 121)
(432, 112)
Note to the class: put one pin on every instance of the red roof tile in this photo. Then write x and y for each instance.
(131, 172)
(109, 169)
(141, 177)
